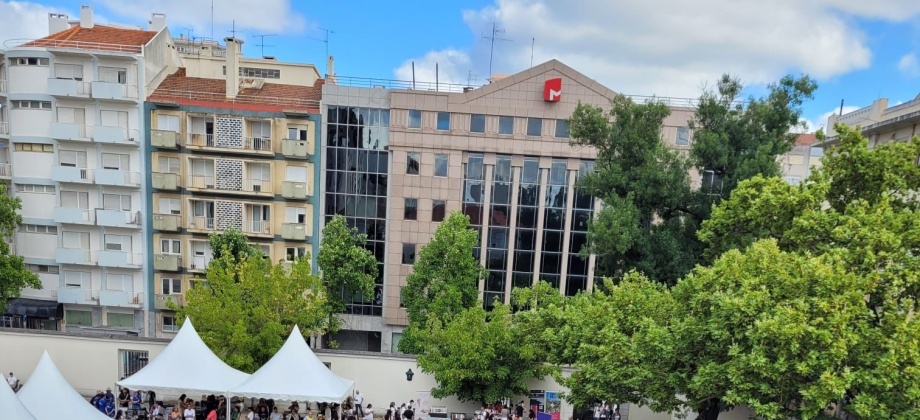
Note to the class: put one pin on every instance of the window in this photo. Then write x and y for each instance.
(171, 286)
(294, 253)
(170, 246)
(712, 183)
(118, 162)
(415, 119)
(794, 180)
(119, 282)
(75, 240)
(48, 230)
(394, 343)
(168, 164)
(260, 73)
(260, 130)
(534, 126)
(170, 324)
(116, 202)
(31, 105)
(412, 163)
(131, 361)
(169, 206)
(74, 317)
(562, 129)
(34, 147)
(440, 164)
(72, 158)
(75, 199)
(295, 173)
(437, 210)
(295, 215)
(443, 121)
(817, 151)
(118, 243)
(113, 74)
(683, 136)
(506, 125)
(43, 269)
(35, 188)
(115, 319)
(79, 279)
(168, 122)
(477, 123)
(408, 254)
(411, 210)
(68, 115)
(68, 71)
(29, 61)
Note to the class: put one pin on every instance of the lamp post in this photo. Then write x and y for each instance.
(409, 374)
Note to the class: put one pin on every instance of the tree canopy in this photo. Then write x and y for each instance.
(444, 280)
(247, 306)
(348, 268)
(14, 276)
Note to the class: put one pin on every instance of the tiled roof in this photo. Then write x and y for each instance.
(806, 139)
(199, 91)
(99, 37)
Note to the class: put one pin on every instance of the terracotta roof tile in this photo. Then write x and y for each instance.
(99, 37)
(199, 91)
(806, 139)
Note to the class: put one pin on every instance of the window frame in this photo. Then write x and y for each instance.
(473, 123)
(446, 160)
(505, 118)
(417, 157)
(530, 125)
(439, 126)
(410, 209)
(405, 247)
(562, 123)
(434, 212)
(410, 119)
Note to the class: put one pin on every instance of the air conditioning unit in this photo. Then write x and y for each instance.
(256, 188)
(132, 139)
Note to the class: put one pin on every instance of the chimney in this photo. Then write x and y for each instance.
(57, 22)
(234, 51)
(86, 17)
(330, 70)
(157, 22)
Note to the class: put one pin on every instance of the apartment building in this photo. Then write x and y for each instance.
(399, 160)
(230, 148)
(76, 159)
(879, 123)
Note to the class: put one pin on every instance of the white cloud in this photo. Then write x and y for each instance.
(23, 20)
(264, 16)
(812, 126)
(450, 65)
(672, 47)
(909, 65)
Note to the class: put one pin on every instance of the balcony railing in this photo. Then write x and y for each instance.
(257, 227)
(200, 140)
(6, 171)
(164, 138)
(61, 173)
(161, 301)
(120, 298)
(201, 223)
(166, 222)
(165, 181)
(199, 181)
(74, 215)
(200, 262)
(246, 144)
(167, 262)
(120, 259)
(71, 131)
(115, 135)
(76, 295)
(69, 44)
(76, 256)
(68, 87)
(257, 186)
(118, 177)
(258, 144)
(295, 148)
(118, 218)
(114, 90)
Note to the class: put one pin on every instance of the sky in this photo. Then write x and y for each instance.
(857, 50)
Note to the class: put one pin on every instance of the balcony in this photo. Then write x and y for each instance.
(74, 216)
(293, 148)
(161, 302)
(3, 88)
(118, 218)
(114, 91)
(76, 256)
(200, 263)
(4, 128)
(6, 171)
(69, 88)
(121, 299)
(167, 262)
(120, 259)
(72, 132)
(294, 190)
(258, 145)
(118, 178)
(257, 186)
(199, 181)
(166, 222)
(165, 181)
(71, 174)
(115, 135)
(258, 228)
(76, 295)
(164, 139)
(201, 223)
(294, 231)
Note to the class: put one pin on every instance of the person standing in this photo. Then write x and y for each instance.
(359, 403)
(519, 411)
(13, 381)
(369, 412)
(189, 412)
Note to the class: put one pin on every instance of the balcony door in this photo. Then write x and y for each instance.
(260, 218)
(202, 173)
(75, 240)
(201, 255)
(116, 202)
(297, 133)
(75, 199)
(203, 214)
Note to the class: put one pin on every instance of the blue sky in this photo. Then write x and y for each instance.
(857, 50)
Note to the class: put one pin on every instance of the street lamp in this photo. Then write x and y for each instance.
(409, 374)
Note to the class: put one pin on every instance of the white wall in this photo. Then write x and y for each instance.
(37, 245)
(50, 284)
(37, 205)
(28, 79)
(30, 122)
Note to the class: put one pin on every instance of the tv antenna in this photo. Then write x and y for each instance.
(261, 43)
(494, 37)
(188, 32)
(325, 40)
(470, 78)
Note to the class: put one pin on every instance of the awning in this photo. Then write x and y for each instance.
(34, 308)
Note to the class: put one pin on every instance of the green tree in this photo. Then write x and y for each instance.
(14, 276)
(348, 268)
(444, 280)
(233, 243)
(478, 356)
(737, 140)
(648, 220)
(248, 305)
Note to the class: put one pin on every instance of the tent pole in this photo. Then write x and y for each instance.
(227, 403)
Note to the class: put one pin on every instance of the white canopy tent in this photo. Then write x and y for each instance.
(295, 373)
(48, 396)
(11, 407)
(186, 366)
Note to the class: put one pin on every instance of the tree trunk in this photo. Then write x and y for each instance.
(709, 410)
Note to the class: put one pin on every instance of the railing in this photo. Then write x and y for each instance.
(2, 85)
(113, 134)
(258, 227)
(86, 257)
(201, 223)
(4, 127)
(179, 94)
(200, 140)
(257, 185)
(199, 181)
(80, 45)
(200, 262)
(6, 170)
(71, 131)
(67, 87)
(259, 144)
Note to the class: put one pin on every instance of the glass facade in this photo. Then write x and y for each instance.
(474, 193)
(582, 212)
(499, 231)
(554, 222)
(525, 244)
(357, 166)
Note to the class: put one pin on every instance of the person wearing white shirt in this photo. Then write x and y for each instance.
(189, 412)
(359, 400)
(369, 412)
(13, 381)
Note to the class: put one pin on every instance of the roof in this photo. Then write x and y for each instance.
(806, 139)
(99, 37)
(272, 97)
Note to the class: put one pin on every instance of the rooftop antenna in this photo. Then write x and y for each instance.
(233, 29)
(470, 78)
(533, 41)
(212, 19)
(326, 41)
(492, 39)
(262, 42)
(188, 32)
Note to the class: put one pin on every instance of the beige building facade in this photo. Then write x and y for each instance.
(880, 123)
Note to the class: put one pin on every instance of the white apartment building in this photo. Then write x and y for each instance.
(73, 118)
